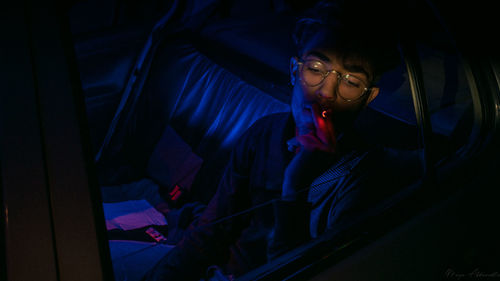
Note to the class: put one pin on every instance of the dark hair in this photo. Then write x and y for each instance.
(355, 29)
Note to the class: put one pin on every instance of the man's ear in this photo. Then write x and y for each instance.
(373, 94)
(294, 68)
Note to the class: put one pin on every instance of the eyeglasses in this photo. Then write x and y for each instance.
(350, 87)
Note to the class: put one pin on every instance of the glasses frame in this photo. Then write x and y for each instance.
(340, 77)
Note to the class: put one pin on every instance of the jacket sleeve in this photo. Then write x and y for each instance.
(291, 227)
(207, 242)
(292, 212)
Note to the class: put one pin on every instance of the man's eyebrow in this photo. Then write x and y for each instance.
(351, 67)
(356, 68)
(319, 55)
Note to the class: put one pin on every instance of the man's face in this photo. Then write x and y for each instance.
(342, 111)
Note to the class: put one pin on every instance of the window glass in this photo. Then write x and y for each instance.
(448, 94)
(185, 148)
(395, 101)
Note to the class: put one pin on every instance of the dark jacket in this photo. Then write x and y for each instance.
(245, 223)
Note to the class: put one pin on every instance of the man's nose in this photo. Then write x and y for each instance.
(328, 89)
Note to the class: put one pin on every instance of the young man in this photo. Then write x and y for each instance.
(264, 204)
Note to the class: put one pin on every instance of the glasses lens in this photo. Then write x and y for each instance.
(313, 72)
(351, 87)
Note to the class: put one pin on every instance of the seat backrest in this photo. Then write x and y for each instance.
(208, 106)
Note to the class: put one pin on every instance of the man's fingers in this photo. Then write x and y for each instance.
(324, 126)
(311, 142)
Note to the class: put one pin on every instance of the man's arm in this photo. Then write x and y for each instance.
(292, 213)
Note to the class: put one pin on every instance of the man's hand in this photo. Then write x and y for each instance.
(323, 137)
(316, 154)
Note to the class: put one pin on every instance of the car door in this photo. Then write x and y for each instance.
(51, 214)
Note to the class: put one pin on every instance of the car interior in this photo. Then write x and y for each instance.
(170, 86)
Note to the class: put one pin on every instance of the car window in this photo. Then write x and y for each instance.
(448, 95)
(447, 89)
(168, 115)
(163, 135)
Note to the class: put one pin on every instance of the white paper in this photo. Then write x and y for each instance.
(132, 214)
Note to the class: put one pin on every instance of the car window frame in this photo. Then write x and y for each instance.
(53, 216)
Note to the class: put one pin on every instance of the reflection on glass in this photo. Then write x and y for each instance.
(449, 98)
(201, 169)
